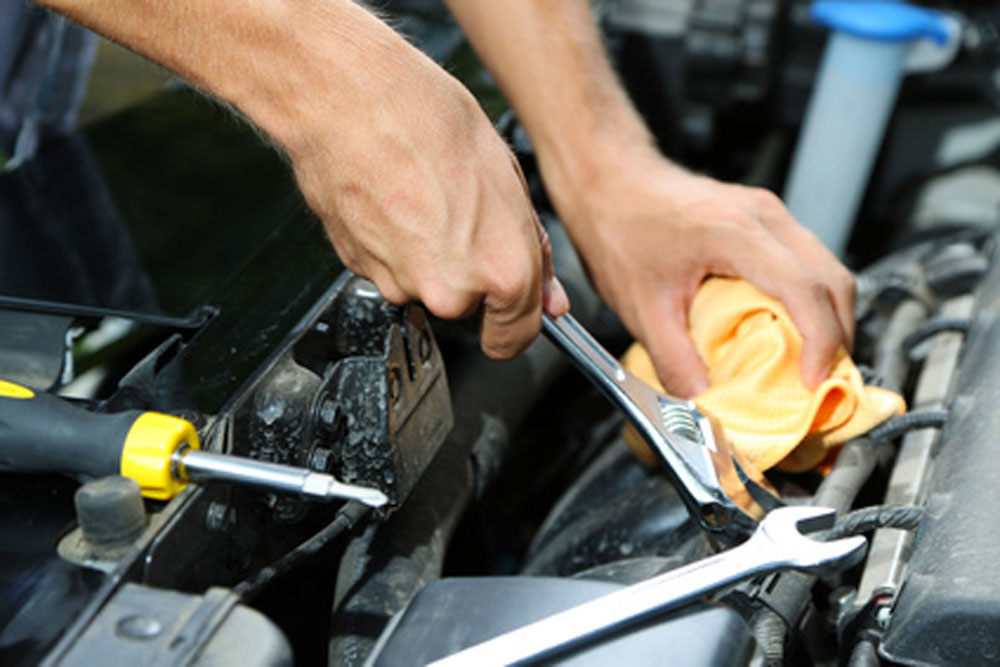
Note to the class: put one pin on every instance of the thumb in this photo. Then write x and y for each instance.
(677, 363)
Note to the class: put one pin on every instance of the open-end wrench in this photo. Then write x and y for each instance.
(778, 543)
(724, 494)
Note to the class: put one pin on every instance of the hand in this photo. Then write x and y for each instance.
(415, 189)
(419, 194)
(650, 232)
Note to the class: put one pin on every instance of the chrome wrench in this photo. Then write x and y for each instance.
(778, 543)
(720, 492)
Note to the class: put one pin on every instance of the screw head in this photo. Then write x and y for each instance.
(219, 517)
(424, 345)
(138, 627)
(328, 413)
(319, 459)
(395, 385)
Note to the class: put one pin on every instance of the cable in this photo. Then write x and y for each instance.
(933, 328)
(864, 654)
(769, 630)
(897, 426)
(347, 516)
(904, 517)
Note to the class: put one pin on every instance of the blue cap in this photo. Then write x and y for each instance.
(881, 21)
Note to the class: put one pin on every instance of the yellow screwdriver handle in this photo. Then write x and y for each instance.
(40, 432)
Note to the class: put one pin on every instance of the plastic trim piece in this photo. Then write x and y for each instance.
(882, 21)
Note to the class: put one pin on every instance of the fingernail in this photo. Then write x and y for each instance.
(554, 298)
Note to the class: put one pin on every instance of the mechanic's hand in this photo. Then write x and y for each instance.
(420, 195)
(650, 232)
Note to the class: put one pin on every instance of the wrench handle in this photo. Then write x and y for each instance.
(700, 466)
(575, 341)
(639, 401)
(609, 612)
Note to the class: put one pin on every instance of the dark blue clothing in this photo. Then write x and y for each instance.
(45, 60)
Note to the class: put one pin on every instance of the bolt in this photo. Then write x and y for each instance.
(219, 517)
(329, 413)
(424, 346)
(395, 385)
(883, 615)
(141, 628)
(320, 459)
(110, 513)
(288, 510)
(841, 599)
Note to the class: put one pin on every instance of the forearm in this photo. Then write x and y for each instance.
(548, 59)
(265, 57)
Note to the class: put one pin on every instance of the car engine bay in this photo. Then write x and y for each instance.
(162, 260)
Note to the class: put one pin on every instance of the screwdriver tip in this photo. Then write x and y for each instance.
(371, 497)
(322, 485)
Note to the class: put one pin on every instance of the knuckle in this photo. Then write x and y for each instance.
(847, 283)
(510, 288)
(388, 288)
(765, 198)
(817, 290)
(352, 262)
(392, 295)
(506, 295)
(350, 255)
(501, 349)
(447, 304)
(503, 340)
(725, 220)
(743, 228)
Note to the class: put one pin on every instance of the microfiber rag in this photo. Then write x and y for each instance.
(751, 348)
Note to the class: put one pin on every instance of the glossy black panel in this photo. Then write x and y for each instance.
(168, 209)
(39, 593)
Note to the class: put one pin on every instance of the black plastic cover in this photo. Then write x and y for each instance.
(452, 614)
(948, 611)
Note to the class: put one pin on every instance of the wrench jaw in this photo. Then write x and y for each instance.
(738, 478)
(726, 524)
(776, 545)
(787, 531)
(710, 477)
(692, 448)
(691, 468)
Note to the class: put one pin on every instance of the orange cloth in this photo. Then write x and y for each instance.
(751, 349)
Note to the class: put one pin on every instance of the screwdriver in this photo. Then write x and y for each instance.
(43, 433)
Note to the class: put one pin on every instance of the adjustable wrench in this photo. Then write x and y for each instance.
(777, 544)
(719, 490)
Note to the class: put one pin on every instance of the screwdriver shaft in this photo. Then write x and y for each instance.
(199, 466)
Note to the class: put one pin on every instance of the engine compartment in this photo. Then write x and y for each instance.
(513, 494)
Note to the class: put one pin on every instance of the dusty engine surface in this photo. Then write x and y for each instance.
(513, 495)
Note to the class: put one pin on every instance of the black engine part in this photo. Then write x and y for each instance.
(948, 611)
(452, 614)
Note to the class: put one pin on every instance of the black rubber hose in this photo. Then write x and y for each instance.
(770, 632)
(864, 655)
(855, 464)
(867, 519)
(898, 426)
(346, 518)
(934, 327)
